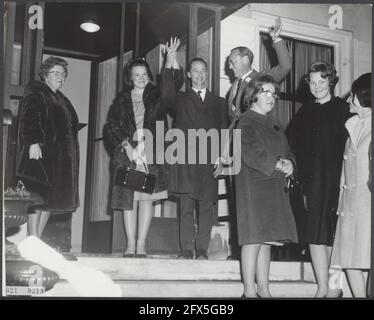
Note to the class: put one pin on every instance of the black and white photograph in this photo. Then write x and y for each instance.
(186, 150)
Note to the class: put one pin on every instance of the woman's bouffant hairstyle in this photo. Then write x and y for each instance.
(327, 70)
(49, 63)
(361, 88)
(254, 87)
(137, 62)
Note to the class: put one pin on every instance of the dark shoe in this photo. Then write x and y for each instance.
(233, 257)
(140, 255)
(128, 255)
(69, 256)
(201, 255)
(246, 298)
(186, 254)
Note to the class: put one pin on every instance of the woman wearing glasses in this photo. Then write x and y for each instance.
(48, 137)
(264, 215)
(317, 137)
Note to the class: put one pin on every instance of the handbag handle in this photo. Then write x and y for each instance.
(144, 164)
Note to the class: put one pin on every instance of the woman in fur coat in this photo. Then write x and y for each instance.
(137, 107)
(48, 149)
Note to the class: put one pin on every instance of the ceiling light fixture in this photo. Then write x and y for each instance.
(90, 26)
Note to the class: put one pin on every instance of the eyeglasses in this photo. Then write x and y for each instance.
(58, 73)
(269, 94)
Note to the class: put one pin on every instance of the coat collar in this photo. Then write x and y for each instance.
(358, 126)
(37, 86)
(193, 95)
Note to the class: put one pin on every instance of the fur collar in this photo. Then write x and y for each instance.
(37, 86)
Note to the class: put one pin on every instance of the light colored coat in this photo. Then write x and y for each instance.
(353, 233)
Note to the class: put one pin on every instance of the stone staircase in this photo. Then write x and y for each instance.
(167, 277)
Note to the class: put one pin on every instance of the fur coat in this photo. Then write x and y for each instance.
(49, 119)
(121, 125)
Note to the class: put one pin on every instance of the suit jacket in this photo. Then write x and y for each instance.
(279, 72)
(190, 113)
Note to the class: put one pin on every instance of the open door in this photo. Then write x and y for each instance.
(23, 34)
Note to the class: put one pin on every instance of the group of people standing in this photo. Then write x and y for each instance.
(328, 148)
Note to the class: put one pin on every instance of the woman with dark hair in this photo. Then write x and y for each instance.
(136, 108)
(351, 250)
(264, 215)
(48, 136)
(317, 136)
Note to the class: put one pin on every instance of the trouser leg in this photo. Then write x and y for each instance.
(205, 221)
(186, 223)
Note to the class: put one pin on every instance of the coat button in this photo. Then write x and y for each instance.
(345, 187)
(345, 157)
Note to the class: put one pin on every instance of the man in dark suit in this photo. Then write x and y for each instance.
(240, 62)
(193, 184)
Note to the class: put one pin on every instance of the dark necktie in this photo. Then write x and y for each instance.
(236, 103)
(200, 97)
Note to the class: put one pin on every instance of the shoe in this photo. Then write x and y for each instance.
(128, 255)
(140, 255)
(247, 298)
(233, 257)
(69, 256)
(186, 254)
(201, 255)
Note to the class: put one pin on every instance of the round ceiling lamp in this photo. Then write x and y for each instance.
(90, 26)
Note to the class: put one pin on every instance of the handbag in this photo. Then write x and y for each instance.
(135, 180)
(32, 170)
(298, 206)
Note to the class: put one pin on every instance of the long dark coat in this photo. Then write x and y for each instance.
(49, 119)
(317, 136)
(190, 113)
(263, 209)
(121, 125)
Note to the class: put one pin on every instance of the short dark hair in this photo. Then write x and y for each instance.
(137, 62)
(49, 63)
(196, 60)
(327, 70)
(361, 88)
(244, 51)
(254, 87)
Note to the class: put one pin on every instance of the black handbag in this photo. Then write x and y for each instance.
(32, 170)
(298, 206)
(135, 180)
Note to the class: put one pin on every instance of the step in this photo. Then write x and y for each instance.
(193, 289)
(157, 268)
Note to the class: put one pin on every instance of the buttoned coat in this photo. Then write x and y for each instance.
(264, 213)
(317, 136)
(279, 72)
(353, 233)
(192, 114)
